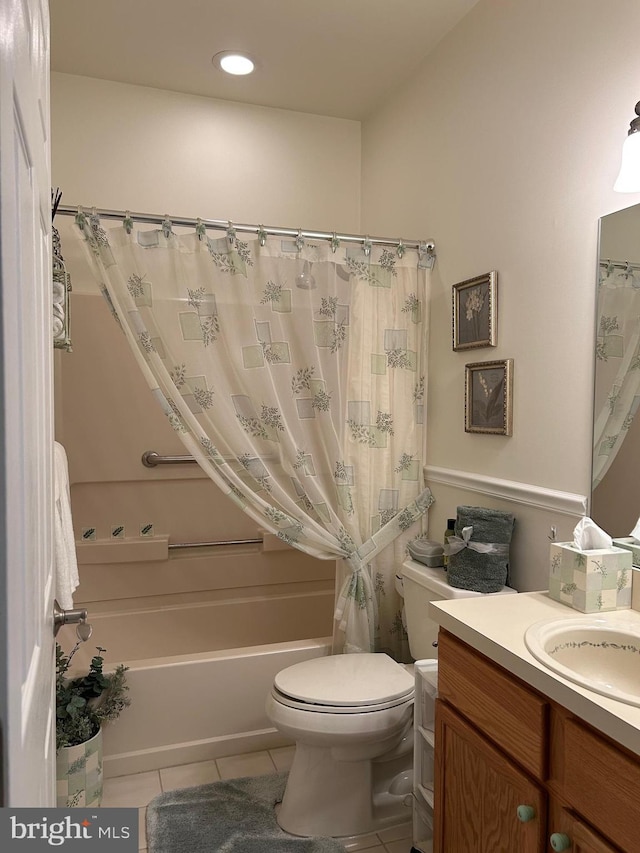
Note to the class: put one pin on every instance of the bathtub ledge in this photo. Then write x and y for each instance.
(123, 551)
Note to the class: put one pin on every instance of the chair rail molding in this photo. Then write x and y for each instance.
(522, 493)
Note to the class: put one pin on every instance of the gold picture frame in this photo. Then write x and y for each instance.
(488, 404)
(475, 312)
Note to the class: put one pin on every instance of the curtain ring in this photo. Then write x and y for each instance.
(80, 218)
(127, 222)
(262, 235)
(299, 240)
(366, 246)
(231, 233)
(201, 230)
(425, 249)
(335, 243)
(400, 250)
(166, 226)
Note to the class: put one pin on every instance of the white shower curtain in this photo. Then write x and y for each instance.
(617, 387)
(294, 372)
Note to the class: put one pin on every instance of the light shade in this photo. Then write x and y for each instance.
(628, 181)
(234, 62)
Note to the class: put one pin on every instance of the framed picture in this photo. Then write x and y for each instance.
(475, 311)
(487, 397)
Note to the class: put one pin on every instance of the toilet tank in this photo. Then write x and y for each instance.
(421, 585)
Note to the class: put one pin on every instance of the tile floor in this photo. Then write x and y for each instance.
(140, 788)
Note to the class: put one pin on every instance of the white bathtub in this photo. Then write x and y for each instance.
(200, 673)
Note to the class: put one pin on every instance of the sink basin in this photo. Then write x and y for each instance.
(601, 653)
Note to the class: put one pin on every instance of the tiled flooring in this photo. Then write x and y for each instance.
(138, 790)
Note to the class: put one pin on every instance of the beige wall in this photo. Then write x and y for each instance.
(118, 146)
(505, 147)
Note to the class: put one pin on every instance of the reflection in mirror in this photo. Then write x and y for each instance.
(615, 501)
(61, 283)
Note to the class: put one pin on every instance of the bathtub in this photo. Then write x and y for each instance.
(199, 674)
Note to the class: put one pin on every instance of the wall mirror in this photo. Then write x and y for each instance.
(615, 499)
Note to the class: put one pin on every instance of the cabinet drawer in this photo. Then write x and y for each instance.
(600, 779)
(512, 715)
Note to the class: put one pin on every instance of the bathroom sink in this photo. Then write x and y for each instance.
(600, 652)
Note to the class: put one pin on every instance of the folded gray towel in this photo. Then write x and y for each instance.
(469, 569)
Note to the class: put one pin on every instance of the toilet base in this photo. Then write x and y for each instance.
(328, 798)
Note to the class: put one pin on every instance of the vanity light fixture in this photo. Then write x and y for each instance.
(628, 181)
(234, 62)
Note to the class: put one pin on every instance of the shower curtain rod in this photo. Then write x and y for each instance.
(623, 265)
(427, 246)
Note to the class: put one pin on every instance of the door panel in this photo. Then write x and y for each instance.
(26, 405)
(582, 839)
(478, 792)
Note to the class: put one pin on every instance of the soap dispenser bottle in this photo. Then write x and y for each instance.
(450, 531)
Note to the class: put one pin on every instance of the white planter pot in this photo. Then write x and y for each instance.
(79, 774)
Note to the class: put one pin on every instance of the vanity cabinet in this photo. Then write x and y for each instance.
(514, 771)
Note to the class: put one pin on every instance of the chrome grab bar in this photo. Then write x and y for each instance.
(172, 545)
(150, 459)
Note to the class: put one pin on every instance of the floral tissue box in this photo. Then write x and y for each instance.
(590, 581)
(630, 544)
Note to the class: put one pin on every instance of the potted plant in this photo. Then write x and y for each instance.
(83, 704)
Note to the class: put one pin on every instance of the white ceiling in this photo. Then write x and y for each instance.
(336, 58)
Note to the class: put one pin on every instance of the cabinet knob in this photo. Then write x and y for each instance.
(560, 841)
(525, 813)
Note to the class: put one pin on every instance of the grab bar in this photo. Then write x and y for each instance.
(212, 544)
(150, 459)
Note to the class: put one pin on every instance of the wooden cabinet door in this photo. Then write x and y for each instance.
(601, 781)
(586, 841)
(478, 792)
(579, 837)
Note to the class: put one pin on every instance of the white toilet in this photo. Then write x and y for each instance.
(351, 718)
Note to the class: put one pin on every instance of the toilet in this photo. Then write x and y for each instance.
(351, 718)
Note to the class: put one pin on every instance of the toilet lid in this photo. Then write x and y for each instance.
(346, 680)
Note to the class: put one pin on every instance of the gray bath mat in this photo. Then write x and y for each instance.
(233, 816)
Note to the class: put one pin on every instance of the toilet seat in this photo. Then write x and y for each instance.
(344, 684)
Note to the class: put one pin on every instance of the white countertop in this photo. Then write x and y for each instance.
(495, 626)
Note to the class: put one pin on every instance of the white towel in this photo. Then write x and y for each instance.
(66, 564)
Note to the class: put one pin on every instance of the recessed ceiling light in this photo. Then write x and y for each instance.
(233, 62)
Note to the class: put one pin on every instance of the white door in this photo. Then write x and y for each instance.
(26, 407)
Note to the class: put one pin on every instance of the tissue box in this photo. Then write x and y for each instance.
(590, 581)
(630, 544)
